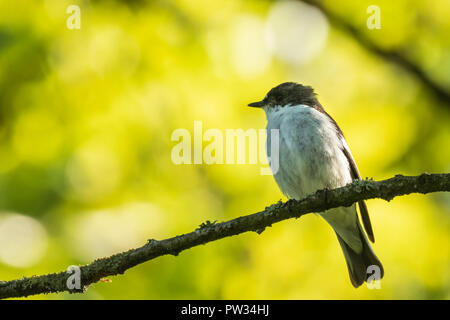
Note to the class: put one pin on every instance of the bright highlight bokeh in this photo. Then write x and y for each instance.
(87, 115)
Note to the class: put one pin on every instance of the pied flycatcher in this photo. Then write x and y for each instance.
(313, 155)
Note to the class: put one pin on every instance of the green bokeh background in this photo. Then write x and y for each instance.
(86, 118)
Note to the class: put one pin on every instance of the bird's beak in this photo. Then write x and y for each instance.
(258, 104)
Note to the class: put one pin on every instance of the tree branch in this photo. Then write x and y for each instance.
(320, 201)
(390, 55)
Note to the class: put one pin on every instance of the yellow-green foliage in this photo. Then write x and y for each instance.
(86, 118)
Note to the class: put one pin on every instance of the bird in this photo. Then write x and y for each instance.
(313, 155)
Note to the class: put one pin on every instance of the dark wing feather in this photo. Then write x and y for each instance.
(362, 205)
(354, 172)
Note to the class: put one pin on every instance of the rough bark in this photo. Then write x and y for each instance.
(208, 232)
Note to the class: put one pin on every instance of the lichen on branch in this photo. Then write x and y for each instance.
(210, 231)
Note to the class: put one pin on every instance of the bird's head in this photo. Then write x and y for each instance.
(287, 94)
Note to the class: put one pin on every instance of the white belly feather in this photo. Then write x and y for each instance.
(311, 158)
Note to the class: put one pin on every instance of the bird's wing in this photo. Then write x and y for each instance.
(354, 173)
(362, 205)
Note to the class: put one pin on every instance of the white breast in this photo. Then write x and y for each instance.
(311, 158)
(310, 151)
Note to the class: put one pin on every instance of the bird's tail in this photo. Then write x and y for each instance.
(358, 263)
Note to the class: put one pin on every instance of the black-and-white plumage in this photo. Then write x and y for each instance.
(313, 155)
